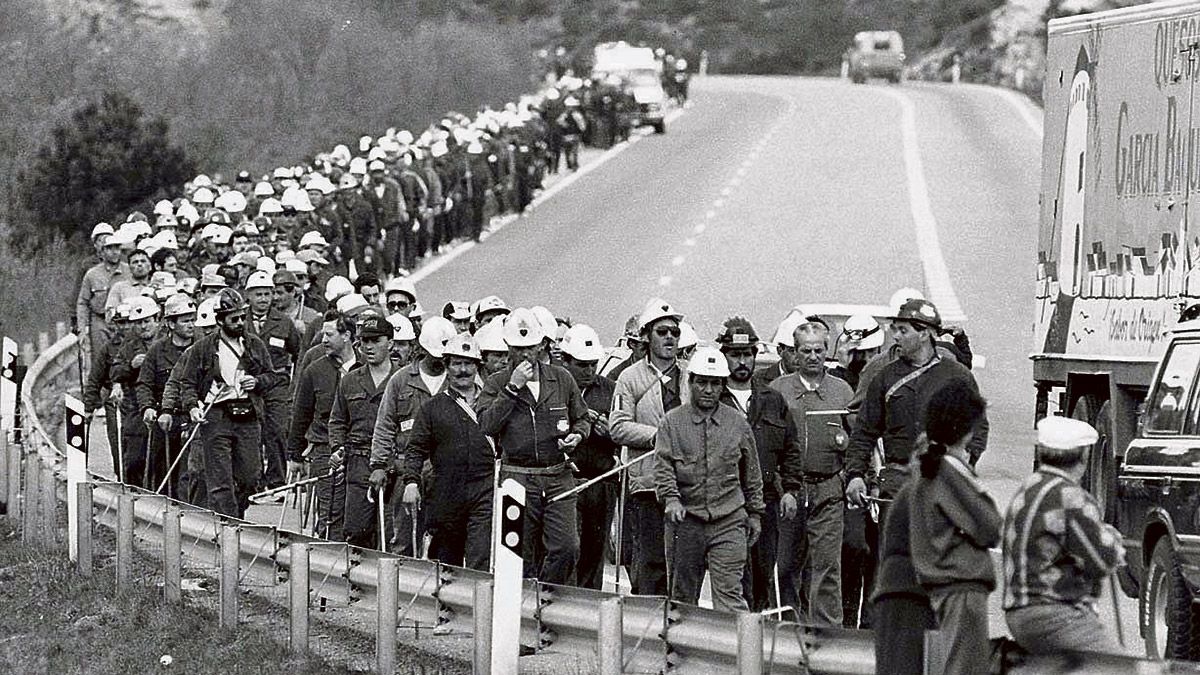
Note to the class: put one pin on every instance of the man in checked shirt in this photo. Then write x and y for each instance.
(1057, 549)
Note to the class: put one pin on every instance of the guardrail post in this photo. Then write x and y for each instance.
(83, 529)
(230, 569)
(125, 502)
(389, 605)
(611, 637)
(483, 628)
(29, 496)
(172, 554)
(750, 642)
(298, 584)
(13, 450)
(49, 503)
(5, 494)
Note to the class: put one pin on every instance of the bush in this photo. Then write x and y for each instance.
(106, 160)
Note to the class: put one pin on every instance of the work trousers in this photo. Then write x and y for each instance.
(361, 517)
(331, 493)
(276, 418)
(718, 546)
(758, 581)
(232, 461)
(858, 565)
(900, 624)
(1057, 628)
(134, 450)
(463, 531)
(551, 542)
(391, 258)
(476, 216)
(963, 623)
(648, 572)
(403, 518)
(110, 430)
(810, 554)
(595, 520)
(164, 448)
(409, 241)
(196, 489)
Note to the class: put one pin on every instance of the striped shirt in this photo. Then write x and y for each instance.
(1057, 549)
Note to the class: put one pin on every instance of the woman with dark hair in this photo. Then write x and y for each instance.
(952, 524)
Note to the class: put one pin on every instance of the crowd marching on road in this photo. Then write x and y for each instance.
(258, 333)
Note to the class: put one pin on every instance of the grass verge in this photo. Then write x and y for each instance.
(54, 621)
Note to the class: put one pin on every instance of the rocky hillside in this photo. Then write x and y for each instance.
(1008, 45)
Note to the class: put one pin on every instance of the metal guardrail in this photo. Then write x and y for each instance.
(655, 635)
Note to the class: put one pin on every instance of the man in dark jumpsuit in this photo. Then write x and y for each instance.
(278, 332)
(165, 442)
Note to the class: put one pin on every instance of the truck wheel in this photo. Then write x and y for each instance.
(660, 127)
(1101, 478)
(1166, 606)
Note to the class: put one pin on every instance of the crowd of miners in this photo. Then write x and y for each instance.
(253, 334)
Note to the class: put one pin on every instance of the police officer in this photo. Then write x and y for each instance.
(706, 474)
(775, 440)
(646, 391)
(165, 424)
(410, 389)
(581, 352)
(308, 442)
(536, 414)
(351, 422)
(446, 433)
(143, 329)
(278, 332)
(810, 541)
(229, 372)
(1058, 549)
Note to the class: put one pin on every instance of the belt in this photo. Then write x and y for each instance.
(357, 451)
(536, 470)
(817, 477)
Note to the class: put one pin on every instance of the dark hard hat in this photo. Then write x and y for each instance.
(229, 301)
(283, 276)
(921, 312)
(737, 332)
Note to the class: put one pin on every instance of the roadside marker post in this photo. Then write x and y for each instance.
(506, 594)
(77, 454)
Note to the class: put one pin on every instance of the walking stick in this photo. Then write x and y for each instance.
(188, 442)
(495, 516)
(1112, 587)
(120, 468)
(382, 527)
(258, 496)
(621, 531)
(587, 484)
(412, 517)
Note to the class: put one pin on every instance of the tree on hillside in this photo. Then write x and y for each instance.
(106, 159)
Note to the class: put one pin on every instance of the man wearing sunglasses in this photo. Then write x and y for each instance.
(646, 391)
(399, 296)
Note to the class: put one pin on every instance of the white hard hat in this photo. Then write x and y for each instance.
(312, 238)
(490, 336)
(222, 234)
(142, 307)
(259, 279)
(582, 343)
(321, 184)
(178, 305)
(165, 239)
(358, 166)
(376, 154)
(902, 296)
(187, 212)
(101, 229)
(347, 182)
(785, 334)
(281, 172)
(522, 329)
(491, 303)
(340, 154)
(657, 308)
(202, 181)
(546, 320)
(708, 361)
(402, 327)
(263, 189)
(231, 201)
(203, 196)
(301, 202)
(351, 304)
(462, 346)
(376, 165)
(687, 336)
(364, 143)
(295, 265)
(404, 136)
(164, 207)
(336, 287)
(435, 333)
(439, 149)
(456, 310)
(400, 285)
(206, 314)
(863, 332)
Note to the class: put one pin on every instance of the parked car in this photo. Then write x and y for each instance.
(877, 53)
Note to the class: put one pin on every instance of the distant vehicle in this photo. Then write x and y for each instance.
(1116, 335)
(641, 74)
(877, 53)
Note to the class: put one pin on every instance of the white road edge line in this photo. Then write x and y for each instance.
(937, 277)
(1023, 107)
(561, 185)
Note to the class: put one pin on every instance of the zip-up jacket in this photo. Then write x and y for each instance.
(200, 369)
(454, 444)
(526, 430)
(406, 393)
(637, 412)
(124, 374)
(161, 357)
(282, 339)
(100, 375)
(821, 439)
(953, 522)
(774, 434)
(355, 406)
(315, 390)
(595, 453)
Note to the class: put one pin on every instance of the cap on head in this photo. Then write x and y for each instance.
(435, 333)
(582, 343)
(708, 362)
(785, 333)
(737, 332)
(463, 346)
(920, 312)
(656, 309)
(373, 326)
(522, 329)
(1064, 437)
(101, 229)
